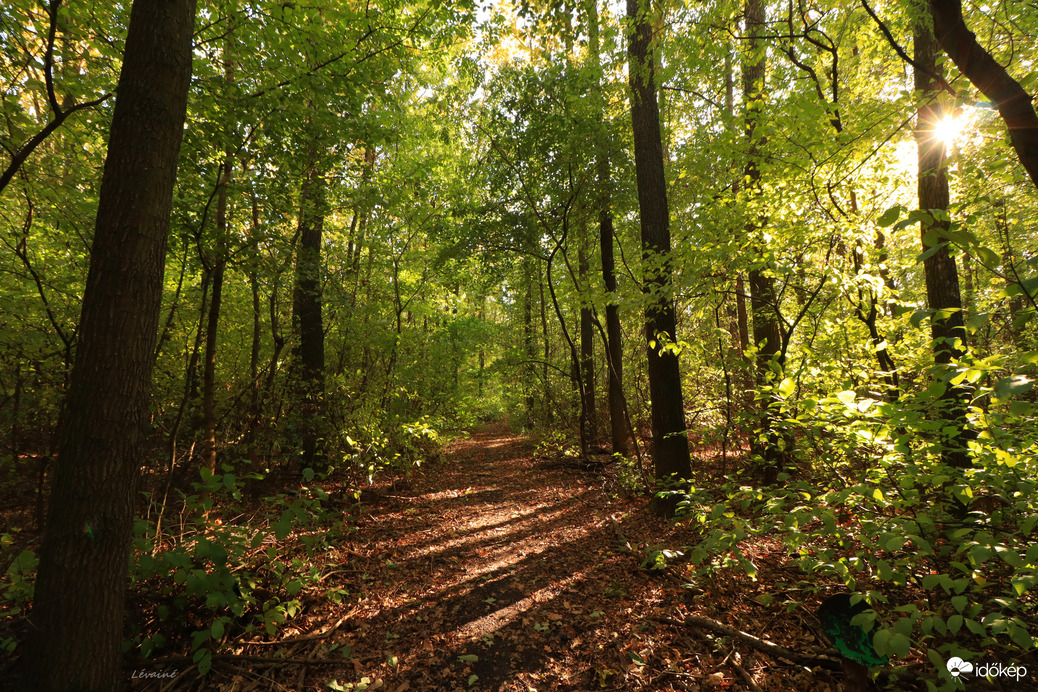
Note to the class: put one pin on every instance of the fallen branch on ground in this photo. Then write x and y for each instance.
(756, 642)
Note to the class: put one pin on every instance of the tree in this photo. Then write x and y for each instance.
(670, 456)
(947, 326)
(764, 301)
(307, 317)
(79, 597)
(614, 344)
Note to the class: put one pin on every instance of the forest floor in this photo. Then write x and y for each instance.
(497, 570)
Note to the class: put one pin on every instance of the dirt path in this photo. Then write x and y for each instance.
(493, 570)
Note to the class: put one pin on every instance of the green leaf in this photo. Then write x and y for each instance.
(891, 215)
(282, 528)
(988, 256)
(468, 658)
(1011, 386)
(900, 645)
(1021, 637)
(1010, 557)
(217, 629)
(881, 642)
(919, 316)
(204, 659)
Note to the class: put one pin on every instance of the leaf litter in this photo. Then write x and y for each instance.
(495, 570)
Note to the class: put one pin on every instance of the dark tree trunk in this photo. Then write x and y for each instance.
(614, 343)
(306, 313)
(669, 442)
(942, 278)
(213, 325)
(1012, 101)
(257, 312)
(614, 336)
(529, 342)
(209, 369)
(587, 348)
(546, 337)
(740, 328)
(81, 584)
(767, 334)
(219, 269)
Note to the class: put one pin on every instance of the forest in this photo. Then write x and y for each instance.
(518, 345)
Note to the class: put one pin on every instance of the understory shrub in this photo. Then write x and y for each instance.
(947, 556)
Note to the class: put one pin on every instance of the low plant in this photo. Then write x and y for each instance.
(947, 556)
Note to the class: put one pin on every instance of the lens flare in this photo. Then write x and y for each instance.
(948, 129)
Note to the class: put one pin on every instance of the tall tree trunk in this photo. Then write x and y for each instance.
(614, 343)
(572, 347)
(614, 337)
(767, 333)
(548, 408)
(482, 352)
(587, 342)
(670, 454)
(942, 278)
(529, 341)
(81, 584)
(740, 325)
(213, 326)
(257, 310)
(306, 312)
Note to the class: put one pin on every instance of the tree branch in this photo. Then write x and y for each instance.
(991, 79)
(939, 80)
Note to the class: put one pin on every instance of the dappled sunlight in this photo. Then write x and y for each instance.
(453, 493)
(498, 619)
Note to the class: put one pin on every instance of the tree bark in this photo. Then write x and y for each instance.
(587, 345)
(257, 311)
(767, 334)
(213, 324)
(942, 279)
(614, 337)
(529, 342)
(307, 314)
(990, 78)
(219, 269)
(670, 454)
(81, 584)
(614, 343)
